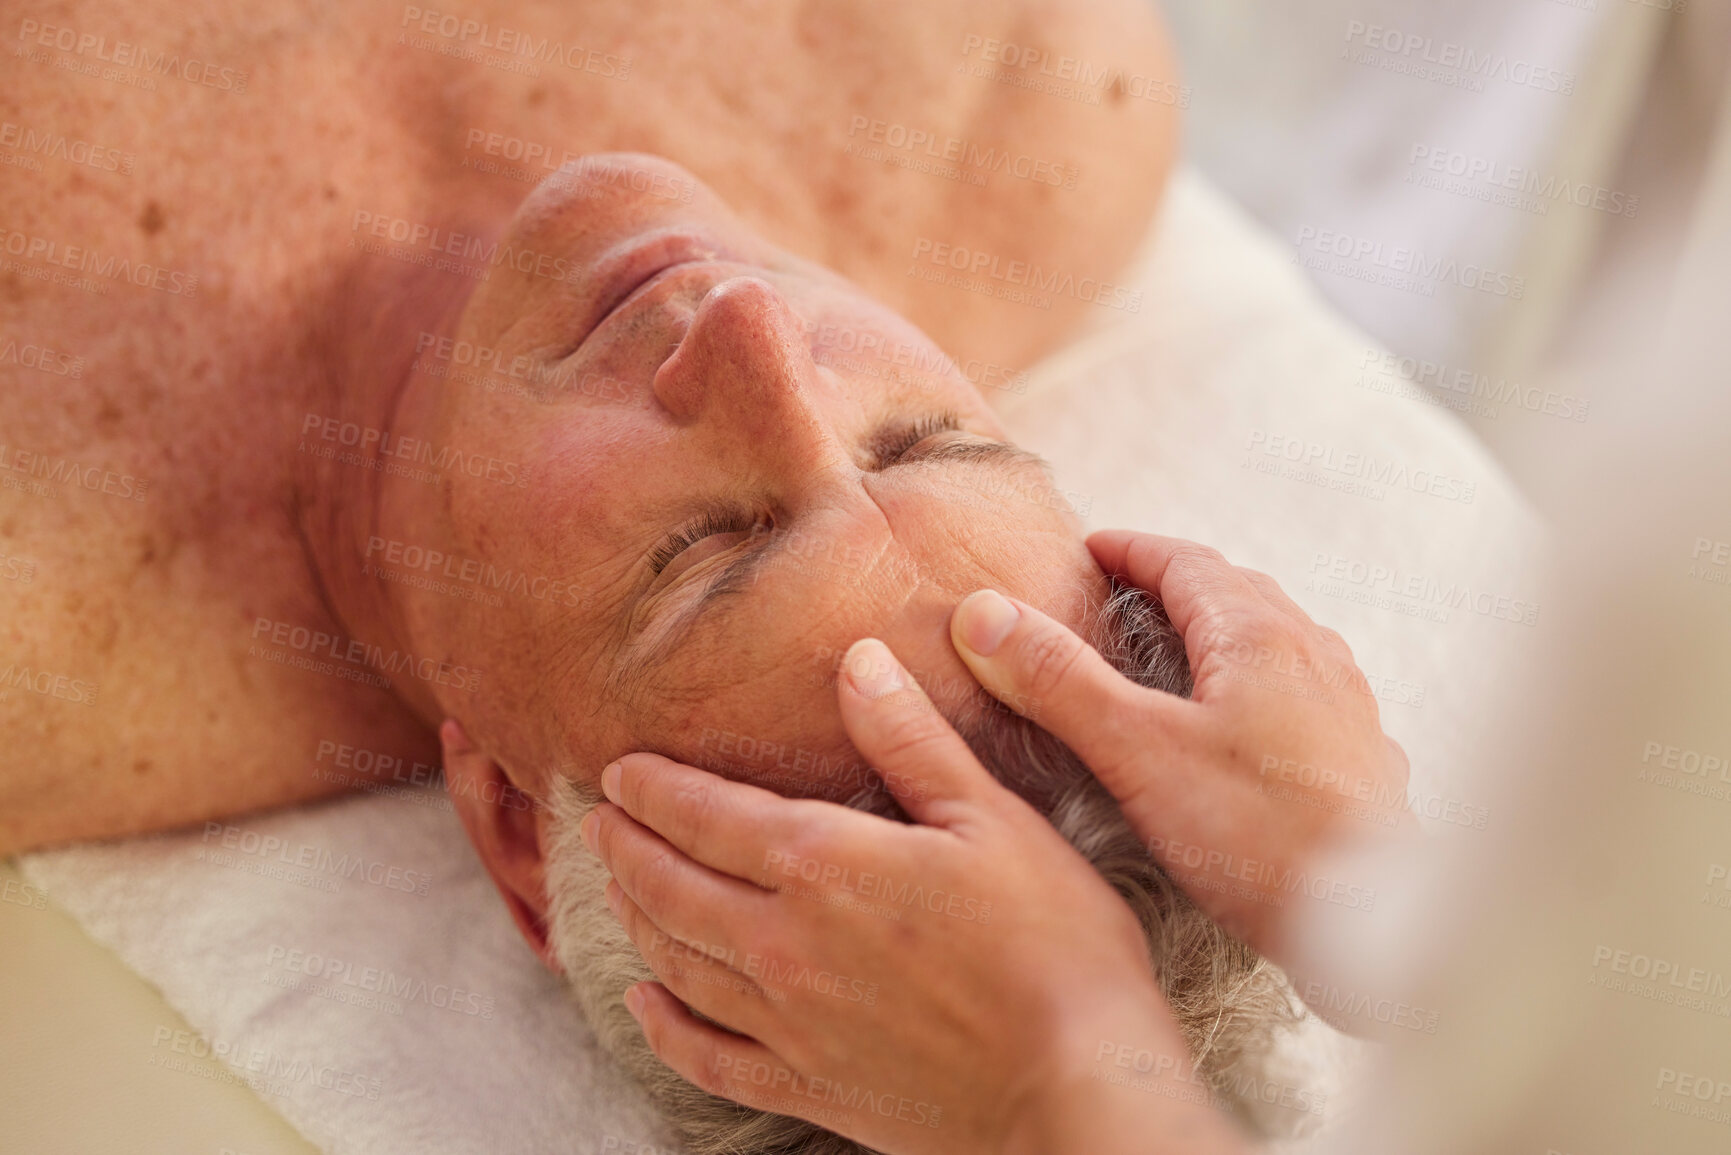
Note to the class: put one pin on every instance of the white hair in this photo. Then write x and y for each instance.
(1230, 1003)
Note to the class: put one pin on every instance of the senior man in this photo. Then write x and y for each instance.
(619, 463)
(238, 417)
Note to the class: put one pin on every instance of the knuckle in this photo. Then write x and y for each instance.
(710, 1074)
(913, 736)
(1194, 560)
(655, 880)
(695, 804)
(1045, 660)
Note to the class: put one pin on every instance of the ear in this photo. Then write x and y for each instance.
(502, 822)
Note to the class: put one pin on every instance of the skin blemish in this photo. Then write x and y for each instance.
(152, 219)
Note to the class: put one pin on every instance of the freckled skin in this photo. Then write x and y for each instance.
(154, 602)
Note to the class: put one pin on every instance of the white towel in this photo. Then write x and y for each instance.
(379, 1019)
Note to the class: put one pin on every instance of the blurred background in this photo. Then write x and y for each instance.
(1529, 203)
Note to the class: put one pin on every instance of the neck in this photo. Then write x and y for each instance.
(358, 481)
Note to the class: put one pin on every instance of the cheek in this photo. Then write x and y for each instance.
(783, 737)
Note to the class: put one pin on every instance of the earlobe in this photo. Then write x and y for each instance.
(500, 818)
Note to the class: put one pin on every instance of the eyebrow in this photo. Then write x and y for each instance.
(741, 573)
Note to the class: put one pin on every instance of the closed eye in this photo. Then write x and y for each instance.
(711, 524)
(894, 445)
(919, 441)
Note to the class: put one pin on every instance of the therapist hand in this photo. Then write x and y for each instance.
(947, 986)
(1277, 757)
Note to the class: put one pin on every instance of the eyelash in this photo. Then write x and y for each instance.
(710, 523)
(911, 436)
(717, 521)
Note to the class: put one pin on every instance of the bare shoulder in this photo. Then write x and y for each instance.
(151, 297)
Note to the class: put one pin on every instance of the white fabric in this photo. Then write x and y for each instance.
(1309, 114)
(1149, 416)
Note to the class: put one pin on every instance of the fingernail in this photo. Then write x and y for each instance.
(634, 1002)
(872, 670)
(586, 830)
(613, 894)
(610, 782)
(987, 617)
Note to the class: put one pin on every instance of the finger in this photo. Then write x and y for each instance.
(707, 977)
(725, 825)
(923, 761)
(1044, 671)
(1274, 595)
(684, 897)
(1189, 579)
(718, 1061)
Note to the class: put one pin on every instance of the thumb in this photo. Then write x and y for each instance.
(923, 761)
(1043, 671)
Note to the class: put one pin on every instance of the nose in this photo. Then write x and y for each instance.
(743, 366)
